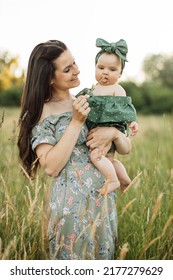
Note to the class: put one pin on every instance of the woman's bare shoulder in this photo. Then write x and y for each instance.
(46, 112)
(56, 108)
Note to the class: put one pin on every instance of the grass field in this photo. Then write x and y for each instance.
(145, 211)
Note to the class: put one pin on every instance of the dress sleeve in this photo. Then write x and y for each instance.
(43, 133)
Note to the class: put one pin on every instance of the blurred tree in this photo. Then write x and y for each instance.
(11, 75)
(134, 90)
(158, 68)
(157, 99)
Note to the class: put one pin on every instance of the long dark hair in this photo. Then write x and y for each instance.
(37, 90)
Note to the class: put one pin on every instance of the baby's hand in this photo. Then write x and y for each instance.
(134, 128)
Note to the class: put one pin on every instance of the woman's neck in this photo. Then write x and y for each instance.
(60, 96)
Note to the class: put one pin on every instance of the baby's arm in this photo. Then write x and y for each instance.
(133, 125)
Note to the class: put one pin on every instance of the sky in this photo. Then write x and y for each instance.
(146, 25)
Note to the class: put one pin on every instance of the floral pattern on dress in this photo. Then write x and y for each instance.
(82, 225)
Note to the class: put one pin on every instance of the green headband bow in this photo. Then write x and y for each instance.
(119, 48)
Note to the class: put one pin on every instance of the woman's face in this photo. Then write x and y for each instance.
(66, 73)
(108, 69)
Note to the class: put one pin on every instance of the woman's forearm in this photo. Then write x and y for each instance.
(101, 137)
(57, 156)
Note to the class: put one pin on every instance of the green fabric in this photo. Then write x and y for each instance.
(114, 111)
(119, 48)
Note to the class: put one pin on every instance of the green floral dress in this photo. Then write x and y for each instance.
(82, 225)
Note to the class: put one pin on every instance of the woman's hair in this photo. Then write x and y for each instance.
(37, 90)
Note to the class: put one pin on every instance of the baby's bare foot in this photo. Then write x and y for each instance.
(109, 187)
(124, 185)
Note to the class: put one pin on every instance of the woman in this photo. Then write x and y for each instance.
(83, 225)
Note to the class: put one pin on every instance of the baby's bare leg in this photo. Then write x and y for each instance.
(121, 172)
(105, 166)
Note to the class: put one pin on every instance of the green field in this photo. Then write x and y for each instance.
(145, 211)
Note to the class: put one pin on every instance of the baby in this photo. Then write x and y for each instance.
(110, 107)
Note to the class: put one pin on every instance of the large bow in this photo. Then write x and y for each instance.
(119, 48)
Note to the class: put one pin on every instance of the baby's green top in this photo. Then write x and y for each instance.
(107, 110)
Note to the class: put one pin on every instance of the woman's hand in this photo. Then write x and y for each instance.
(101, 137)
(81, 109)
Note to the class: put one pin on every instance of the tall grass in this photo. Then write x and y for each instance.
(145, 210)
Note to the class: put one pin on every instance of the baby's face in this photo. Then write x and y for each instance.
(108, 69)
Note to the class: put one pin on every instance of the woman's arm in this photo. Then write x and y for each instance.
(101, 137)
(54, 158)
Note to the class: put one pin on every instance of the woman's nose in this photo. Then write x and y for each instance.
(76, 70)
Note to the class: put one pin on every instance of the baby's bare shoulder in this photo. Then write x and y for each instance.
(119, 90)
